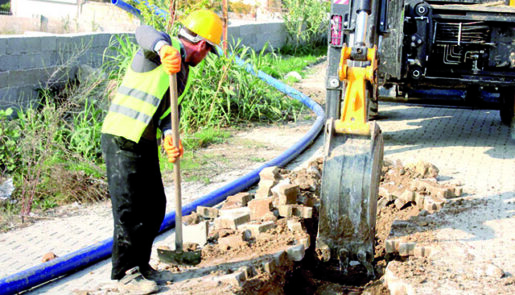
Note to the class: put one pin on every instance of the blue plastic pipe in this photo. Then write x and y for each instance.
(132, 10)
(87, 256)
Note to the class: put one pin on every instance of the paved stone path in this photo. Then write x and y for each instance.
(467, 145)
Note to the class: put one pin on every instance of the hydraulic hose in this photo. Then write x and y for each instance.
(87, 256)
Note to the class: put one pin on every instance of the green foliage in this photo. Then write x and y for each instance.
(231, 95)
(6, 6)
(149, 15)
(9, 148)
(306, 20)
(117, 56)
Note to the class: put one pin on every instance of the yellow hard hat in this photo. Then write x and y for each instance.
(205, 24)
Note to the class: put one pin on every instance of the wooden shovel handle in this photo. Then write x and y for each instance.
(177, 165)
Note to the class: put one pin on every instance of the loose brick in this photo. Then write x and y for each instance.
(207, 212)
(234, 211)
(302, 211)
(259, 208)
(258, 227)
(285, 211)
(269, 173)
(241, 198)
(287, 194)
(231, 205)
(197, 233)
(231, 221)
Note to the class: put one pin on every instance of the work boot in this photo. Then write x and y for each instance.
(158, 276)
(135, 283)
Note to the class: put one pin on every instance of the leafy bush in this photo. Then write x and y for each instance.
(306, 21)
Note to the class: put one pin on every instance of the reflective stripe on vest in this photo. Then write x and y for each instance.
(136, 102)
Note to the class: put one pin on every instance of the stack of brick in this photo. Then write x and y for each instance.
(414, 185)
(248, 216)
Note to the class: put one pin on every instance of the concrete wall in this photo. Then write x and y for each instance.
(31, 62)
(66, 18)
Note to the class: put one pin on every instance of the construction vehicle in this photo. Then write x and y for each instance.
(388, 48)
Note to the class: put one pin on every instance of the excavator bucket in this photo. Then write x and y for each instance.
(350, 181)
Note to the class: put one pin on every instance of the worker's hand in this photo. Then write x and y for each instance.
(171, 59)
(171, 150)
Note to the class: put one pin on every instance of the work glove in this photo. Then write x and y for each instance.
(171, 150)
(170, 59)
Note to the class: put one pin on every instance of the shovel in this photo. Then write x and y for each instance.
(177, 256)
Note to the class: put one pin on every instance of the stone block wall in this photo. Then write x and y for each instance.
(28, 63)
(31, 62)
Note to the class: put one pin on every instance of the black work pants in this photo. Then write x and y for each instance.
(138, 200)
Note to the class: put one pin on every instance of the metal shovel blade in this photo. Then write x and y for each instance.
(179, 257)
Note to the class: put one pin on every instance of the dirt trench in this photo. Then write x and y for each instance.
(242, 259)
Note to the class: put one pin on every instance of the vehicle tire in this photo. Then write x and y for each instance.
(507, 110)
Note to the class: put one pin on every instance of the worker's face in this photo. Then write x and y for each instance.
(201, 49)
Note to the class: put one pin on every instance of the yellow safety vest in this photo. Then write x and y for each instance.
(136, 101)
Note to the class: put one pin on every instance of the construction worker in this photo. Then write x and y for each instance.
(140, 108)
